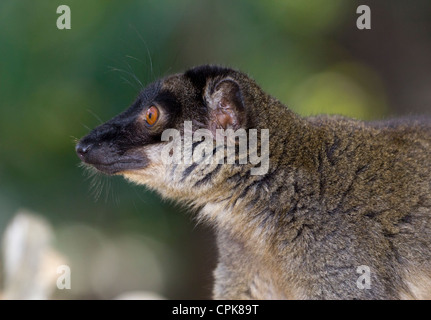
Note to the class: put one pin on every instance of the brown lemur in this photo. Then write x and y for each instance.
(338, 194)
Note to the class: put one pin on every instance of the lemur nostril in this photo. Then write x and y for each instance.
(82, 149)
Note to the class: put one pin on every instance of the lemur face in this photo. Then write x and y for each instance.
(128, 144)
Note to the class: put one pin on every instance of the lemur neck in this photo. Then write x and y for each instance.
(243, 199)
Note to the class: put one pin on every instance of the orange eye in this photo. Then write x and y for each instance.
(152, 115)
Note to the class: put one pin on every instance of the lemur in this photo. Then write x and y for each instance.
(338, 194)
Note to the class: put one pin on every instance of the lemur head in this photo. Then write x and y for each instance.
(132, 143)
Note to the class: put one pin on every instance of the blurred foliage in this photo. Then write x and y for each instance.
(57, 84)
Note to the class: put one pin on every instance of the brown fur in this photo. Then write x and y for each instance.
(339, 194)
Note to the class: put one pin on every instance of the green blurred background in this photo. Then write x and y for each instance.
(56, 84)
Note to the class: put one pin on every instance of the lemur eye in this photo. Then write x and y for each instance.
(152, 115)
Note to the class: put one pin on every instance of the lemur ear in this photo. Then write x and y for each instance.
(226, 106)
